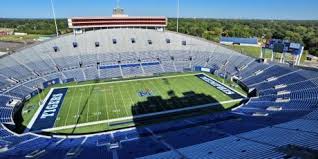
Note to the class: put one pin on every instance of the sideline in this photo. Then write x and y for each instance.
(123, 81)
(139, 116)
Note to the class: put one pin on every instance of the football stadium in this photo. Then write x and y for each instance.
(125, 87)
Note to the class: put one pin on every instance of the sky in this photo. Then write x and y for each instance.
(229, 9)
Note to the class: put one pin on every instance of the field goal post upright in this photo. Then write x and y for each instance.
(299, 56)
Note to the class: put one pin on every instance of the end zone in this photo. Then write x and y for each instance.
(47, 113)
(221, 87)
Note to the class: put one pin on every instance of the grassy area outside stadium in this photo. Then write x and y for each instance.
(255, 52)
(109, 105)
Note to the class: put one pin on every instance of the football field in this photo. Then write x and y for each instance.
(109, 101)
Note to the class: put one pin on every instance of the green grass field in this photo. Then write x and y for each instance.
(18, 38)
(255, 52)
(91, 102)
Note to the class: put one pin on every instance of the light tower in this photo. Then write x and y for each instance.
(53, 11)
(178, 14)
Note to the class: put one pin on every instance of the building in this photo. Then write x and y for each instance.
(20, 34)
(117, 20)
(6, 31)
(239, 41)
(311, 58)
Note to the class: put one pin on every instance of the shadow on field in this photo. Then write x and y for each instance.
(156, 109)
(82, 109)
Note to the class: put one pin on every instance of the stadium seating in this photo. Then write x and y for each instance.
(255, 129)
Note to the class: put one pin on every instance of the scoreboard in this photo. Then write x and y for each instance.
(278, 47)
(282, 46)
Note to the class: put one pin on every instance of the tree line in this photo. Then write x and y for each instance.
(35, 26)
(304, 32)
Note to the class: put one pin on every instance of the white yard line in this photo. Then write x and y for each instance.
(69, 107)
(87, 112)
(124, 103)
(192, 86)
(98, 112)
(159, 90)
(115, 103)
(131, 100)
(80, 104)
(176, 90)
(134, 88)
(106, 106)
(139, 116)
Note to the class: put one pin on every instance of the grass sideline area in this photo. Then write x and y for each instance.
(118, 96)
(254, 52)
(20, 38)
(130, 123)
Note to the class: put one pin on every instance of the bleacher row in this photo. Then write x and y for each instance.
(277, 118)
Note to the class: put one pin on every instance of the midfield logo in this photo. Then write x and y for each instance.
(145, 93)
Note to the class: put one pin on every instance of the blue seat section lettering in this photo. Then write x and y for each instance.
(130, 65)
(110, 66)
(50, 110)
(150, 63)
(34, 93)
(69, 80)
(219, 86)
(51, 82)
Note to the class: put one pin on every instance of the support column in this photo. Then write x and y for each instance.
(272, 59)
(300, 55)
(262, 53)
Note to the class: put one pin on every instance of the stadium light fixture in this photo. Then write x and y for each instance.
(53, 11)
